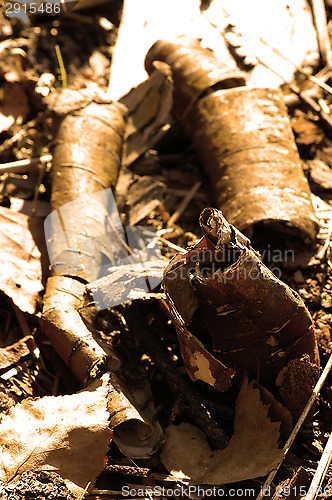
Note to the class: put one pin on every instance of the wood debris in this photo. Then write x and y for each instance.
(120, 135)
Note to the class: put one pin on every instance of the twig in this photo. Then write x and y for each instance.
(23, 131)
(63, 71)
(313, 105)
(294, 99)
(36, 193)
(171, 245)
(320, 473)
(183, 205)
(319, 12)
(21, 166)
(128, 470)
(297, 427)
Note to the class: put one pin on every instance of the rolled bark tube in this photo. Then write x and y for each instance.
(244, 139)
(194, 70)
(84, 227)
(87, 152)
(86, 160)
(231, 313)
(246, 144)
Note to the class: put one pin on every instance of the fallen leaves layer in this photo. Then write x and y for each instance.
(252, 452)
(20, 258)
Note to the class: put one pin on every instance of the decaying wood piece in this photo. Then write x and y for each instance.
(86, 159)
(14, 353)
(136, 431)
(244, 138)
(231, 313)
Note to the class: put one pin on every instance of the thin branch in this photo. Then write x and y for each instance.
(183, 205)
(22, 166)
(320, 473)
(319, 12)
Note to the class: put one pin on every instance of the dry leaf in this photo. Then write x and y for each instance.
(252, 452)
(14, 106)
(65, 434)
(149, 108)
(20, 258)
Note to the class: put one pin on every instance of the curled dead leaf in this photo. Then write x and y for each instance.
(65, 434)
(252, 452)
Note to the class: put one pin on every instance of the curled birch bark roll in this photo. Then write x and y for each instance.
(244, 139)
(82, 229)
(246, 143)
(194, 70)
(86, 160)
(231, 313)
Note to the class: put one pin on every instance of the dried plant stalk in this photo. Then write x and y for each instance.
(232, 314)
(244, 138)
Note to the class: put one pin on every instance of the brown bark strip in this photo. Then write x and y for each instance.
(244, 139)
(229, 301)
